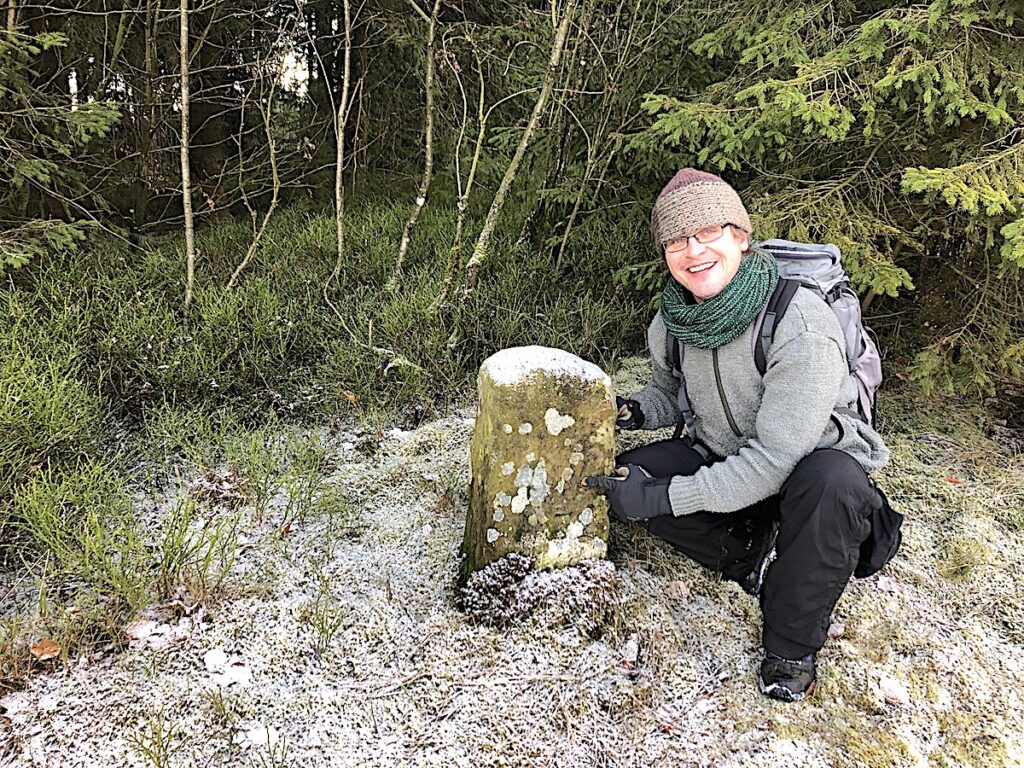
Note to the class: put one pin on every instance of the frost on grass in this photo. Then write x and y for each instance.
(342, 641)
(509, 591)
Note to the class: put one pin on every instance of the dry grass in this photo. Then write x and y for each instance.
(349, 650)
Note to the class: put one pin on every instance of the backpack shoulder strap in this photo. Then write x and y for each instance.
(674, 352)
(672, 356)
(778, 303)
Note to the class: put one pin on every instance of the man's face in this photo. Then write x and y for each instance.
(706, 268)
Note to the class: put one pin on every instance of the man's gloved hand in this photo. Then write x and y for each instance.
(633, 493)
(630, 416)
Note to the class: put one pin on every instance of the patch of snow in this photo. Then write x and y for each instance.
(260, 735)
(893, 691)
(510, 366)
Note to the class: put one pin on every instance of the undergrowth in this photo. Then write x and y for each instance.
(110, 387)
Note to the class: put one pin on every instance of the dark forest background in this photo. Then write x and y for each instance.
(300, 207)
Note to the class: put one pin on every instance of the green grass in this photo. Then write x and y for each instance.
(109, 387)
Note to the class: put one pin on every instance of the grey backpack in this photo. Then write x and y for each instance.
(819, 268)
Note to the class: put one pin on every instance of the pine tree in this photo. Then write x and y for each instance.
(39, 135)
(890, 131)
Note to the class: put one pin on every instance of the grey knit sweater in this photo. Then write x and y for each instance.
(780, 418)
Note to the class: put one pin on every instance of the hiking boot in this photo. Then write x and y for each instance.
(787, 679)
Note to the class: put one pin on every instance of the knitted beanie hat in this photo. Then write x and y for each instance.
(693, 200)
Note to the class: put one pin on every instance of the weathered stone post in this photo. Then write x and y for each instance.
(546, 421)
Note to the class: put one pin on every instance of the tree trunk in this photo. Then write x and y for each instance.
(186, 181)
(266, 111)
(455, 253)
(147, 120)
(483, 244)
(339, 160)
(428, 162)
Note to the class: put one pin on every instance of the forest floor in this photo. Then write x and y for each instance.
(331, 637)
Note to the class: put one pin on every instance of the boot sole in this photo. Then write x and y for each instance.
(781, 693)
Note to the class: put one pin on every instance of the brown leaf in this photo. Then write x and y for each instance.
(680, 590)
(352, 397)
(45, 650)
(953, 480)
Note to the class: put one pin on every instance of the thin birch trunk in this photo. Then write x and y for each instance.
(481, 250)
(265, 113)
(12, 16)
(147, 119)
(455, 254)
(186, 179)
(339, 161)
(428, 162)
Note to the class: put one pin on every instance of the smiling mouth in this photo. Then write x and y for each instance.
(701, 267)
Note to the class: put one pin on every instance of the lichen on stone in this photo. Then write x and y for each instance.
(522, 498)
(556, 422)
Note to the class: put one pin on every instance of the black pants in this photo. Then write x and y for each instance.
(823, 512)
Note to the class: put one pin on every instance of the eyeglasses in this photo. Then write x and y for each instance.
(703, 236)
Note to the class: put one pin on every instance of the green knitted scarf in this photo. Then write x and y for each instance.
(721, 319)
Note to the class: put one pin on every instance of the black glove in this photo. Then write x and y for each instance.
(630, 415)
(633, 493)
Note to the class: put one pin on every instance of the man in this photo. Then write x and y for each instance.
(775, 494)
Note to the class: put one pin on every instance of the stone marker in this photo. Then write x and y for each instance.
(546, 421)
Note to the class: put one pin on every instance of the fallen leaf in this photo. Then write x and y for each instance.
(45, 650)
(352, 397)
(953, 480)
(630, 652)
(679, 590)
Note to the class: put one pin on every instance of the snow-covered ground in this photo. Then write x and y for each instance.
(339, 644)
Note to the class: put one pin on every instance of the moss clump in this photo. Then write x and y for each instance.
(969, 743)
(875, 747)
(960, 557)
(510, 590)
